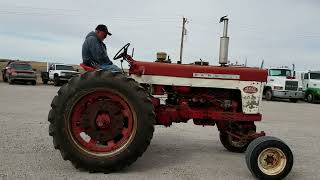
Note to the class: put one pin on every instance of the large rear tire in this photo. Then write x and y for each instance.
(101, 121)
(269, 158)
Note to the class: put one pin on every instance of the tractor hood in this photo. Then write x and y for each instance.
(198, 71)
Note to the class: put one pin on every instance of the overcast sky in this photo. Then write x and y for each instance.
(280, 32)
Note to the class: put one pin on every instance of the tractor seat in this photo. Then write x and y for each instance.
(87, 68)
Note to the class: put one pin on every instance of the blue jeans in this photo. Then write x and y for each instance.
(110, 67)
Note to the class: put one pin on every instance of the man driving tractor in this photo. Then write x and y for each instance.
(94, 51)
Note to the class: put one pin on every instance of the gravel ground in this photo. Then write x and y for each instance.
(183, 151)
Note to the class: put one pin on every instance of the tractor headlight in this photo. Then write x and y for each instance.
(300, 89)
(62, 74)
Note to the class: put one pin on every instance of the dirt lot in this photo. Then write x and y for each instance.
(183, 151)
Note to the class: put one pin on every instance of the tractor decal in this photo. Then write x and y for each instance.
(250, 89)
(216, 76)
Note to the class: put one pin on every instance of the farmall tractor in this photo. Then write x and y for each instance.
(103, 121)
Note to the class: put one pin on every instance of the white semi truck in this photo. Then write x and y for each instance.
(282, 83)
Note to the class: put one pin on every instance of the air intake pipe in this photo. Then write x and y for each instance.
(224, 42)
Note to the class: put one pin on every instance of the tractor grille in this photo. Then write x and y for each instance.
(291, 85)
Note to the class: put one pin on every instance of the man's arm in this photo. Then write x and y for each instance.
(97, 51)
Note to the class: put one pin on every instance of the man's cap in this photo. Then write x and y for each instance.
(102, 27)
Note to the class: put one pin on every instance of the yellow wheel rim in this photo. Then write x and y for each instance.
(272, 161)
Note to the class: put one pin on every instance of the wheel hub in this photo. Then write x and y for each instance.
(102, 121)
(272, 161)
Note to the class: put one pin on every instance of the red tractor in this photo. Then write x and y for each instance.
(103, 121)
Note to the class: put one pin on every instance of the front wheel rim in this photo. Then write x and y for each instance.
(272, 161)
(102, 123)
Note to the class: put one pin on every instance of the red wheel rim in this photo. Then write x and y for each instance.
(102, 122)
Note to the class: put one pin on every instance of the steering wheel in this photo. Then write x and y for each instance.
(121, 54)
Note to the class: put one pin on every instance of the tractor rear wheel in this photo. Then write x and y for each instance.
(269, 158)
(101, 121)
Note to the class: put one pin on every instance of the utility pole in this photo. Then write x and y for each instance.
(184, 21)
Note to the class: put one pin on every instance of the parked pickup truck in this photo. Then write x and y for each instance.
(58, 73)
(19, 71)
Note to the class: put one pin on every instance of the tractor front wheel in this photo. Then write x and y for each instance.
(269, 158)
(101, 121)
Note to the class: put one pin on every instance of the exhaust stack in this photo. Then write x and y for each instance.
(224, 42)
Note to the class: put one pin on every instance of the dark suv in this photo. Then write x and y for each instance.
(19, 71)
